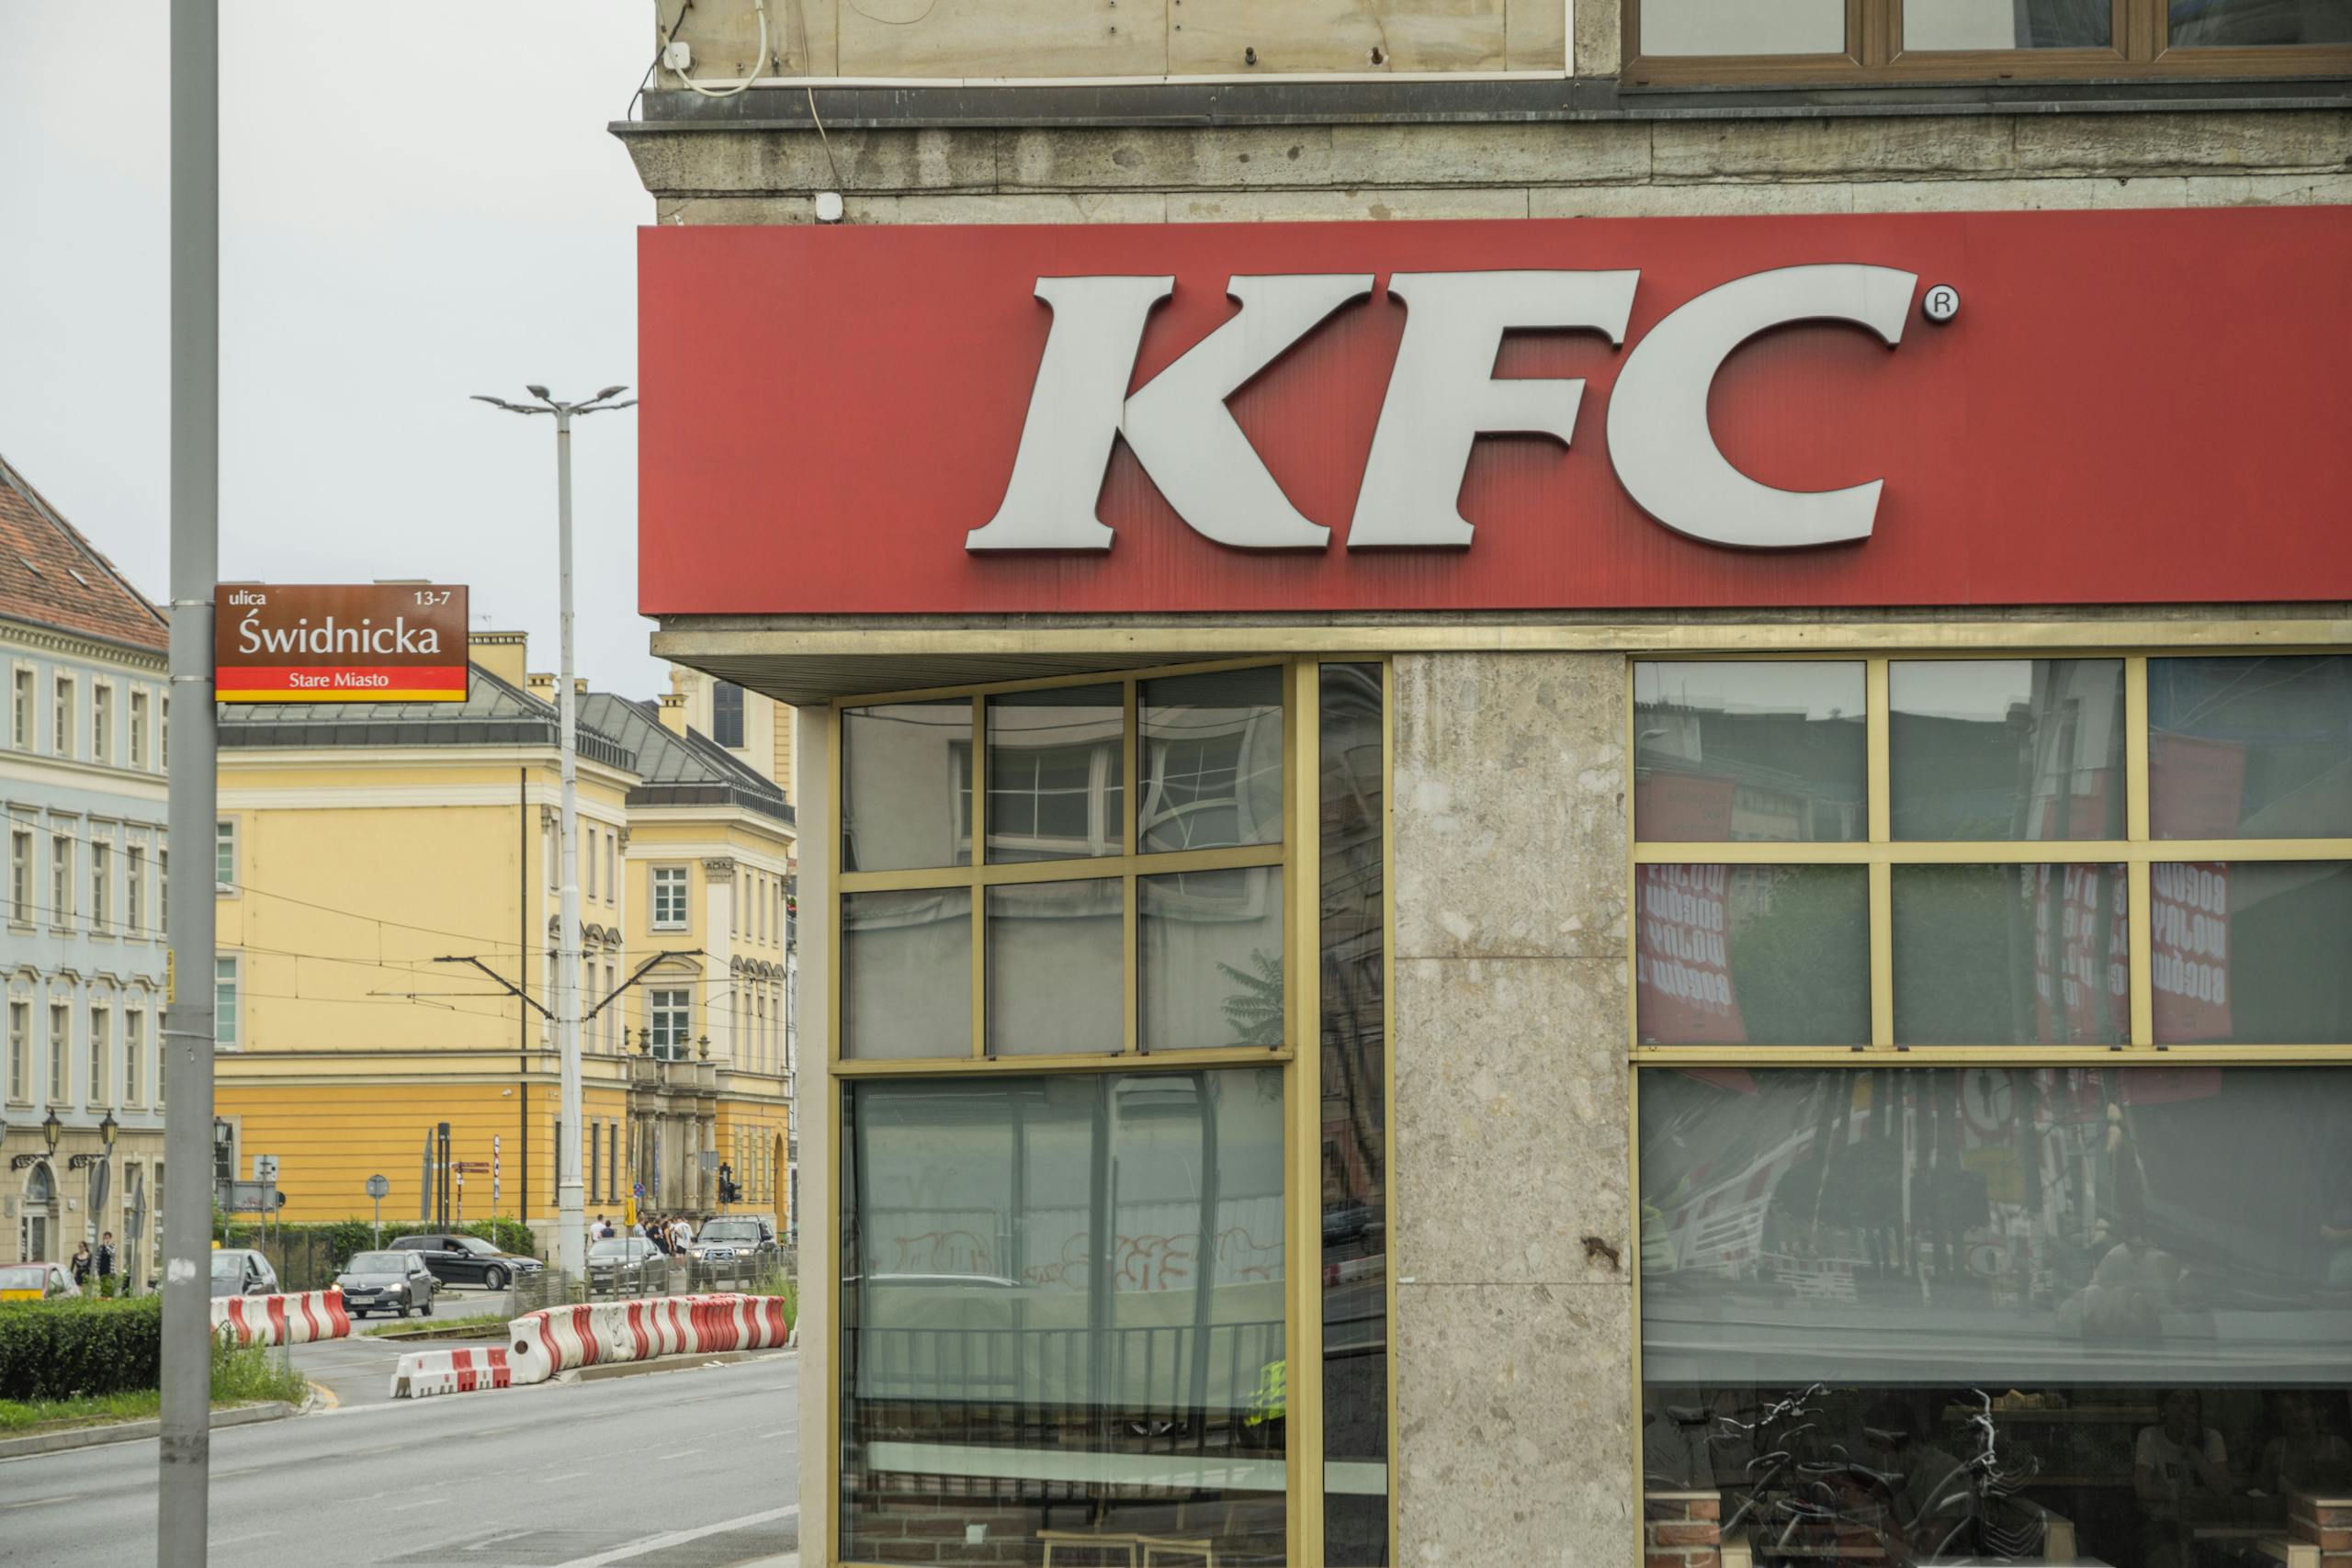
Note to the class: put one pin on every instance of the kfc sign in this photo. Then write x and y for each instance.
(1646, 416)
(1443, 395)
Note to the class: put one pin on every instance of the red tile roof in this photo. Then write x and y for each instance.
(50, 574)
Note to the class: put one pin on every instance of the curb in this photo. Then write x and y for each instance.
(684, 1362)
(137, 1431)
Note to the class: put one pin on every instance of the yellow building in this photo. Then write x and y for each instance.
(385, 871)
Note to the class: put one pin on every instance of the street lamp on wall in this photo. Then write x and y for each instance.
(50, 1129)
(106, 1130)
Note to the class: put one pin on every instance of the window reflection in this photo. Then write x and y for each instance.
(906, 785)
(1999, 1312)
(2250, 951)
(1062, 1318)
(1742, 27)
(2011, 955)
(1056, 984)
(1054, 773)
(2006, 24)
(1212, 760)
(2251, 748)
(1211, 971)
(907, 972)
(2010, 748)
(2205, 23)
(1355, 1147)
(1749, 750)
(1752, 954)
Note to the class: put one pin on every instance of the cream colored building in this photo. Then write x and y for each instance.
(387, 873)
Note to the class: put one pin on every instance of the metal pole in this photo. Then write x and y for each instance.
(185, 1464)
(571, 1215)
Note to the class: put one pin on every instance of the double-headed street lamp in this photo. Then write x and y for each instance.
(571, 1208)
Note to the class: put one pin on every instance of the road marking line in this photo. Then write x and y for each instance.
(653, 1543)
(236, 1540)
(762, 1436)
(682, 1453)
(405, 1507)
(36, 1502)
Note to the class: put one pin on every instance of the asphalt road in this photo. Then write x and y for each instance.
(687, 1469)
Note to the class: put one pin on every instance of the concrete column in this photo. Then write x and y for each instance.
(1511, 1218)
(814, 1113)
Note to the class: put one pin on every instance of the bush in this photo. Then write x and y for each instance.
(80, 1347)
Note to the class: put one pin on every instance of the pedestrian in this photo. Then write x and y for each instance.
(106, 1255)
(81, 1264)
(681, 1233)
(659, 1234)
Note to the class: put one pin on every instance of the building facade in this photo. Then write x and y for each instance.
(81, 959)
(386, 873)
(1455, 919)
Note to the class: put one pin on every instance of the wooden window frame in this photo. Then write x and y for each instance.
(1874, 56)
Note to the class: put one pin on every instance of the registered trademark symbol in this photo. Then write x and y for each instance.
(1942, 302)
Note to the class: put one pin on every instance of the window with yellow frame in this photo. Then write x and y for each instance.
(1993, 1028)
(1086, 1172)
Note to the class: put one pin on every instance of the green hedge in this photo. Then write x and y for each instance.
(85, 1347)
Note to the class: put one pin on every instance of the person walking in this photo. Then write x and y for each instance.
(105, 1255)
(81, 1264)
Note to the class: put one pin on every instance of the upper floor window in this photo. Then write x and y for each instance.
(228, 1019)
(101, 886)
(60, 1054)
(668, 897)
(20, 711)
(611, 883)
(61, 722)
(61, 879)
(134, 889)
(224, 857)
(20, 1051)
(1737, 42)
(138, 749)
(102, 723)
(666, 1033)
(726, 715)
(20, 875)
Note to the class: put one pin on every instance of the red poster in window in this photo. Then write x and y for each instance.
(2189, 950)
(2080, 940)
(1682, 962)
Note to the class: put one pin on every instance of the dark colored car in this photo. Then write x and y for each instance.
(739, 1248)
(467, 1259)
(396, 1283)
(241, 1271)
(624, 1266)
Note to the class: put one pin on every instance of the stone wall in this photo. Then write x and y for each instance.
(1510, 1224)
(1567, 168)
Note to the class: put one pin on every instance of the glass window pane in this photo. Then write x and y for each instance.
(1753, 954)
(1062, 1318)
(2250, 747)
(906, 785)
(2251, 952)
(1355, 1147)
(2011, 955)
(2215, 24)
(2014, 749)
(1737, 750)
(1212, 970)
(907, 972)
(1056, 982)
(1054, 773)
(1743, 27)
(2006, 24)
(1212, 761)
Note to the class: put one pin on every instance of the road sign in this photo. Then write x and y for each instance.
(470, 1167)
(381, 642)
(253, 1198)
(377, 1188)
(264, 1168)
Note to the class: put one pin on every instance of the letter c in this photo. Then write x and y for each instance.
(1666, 456)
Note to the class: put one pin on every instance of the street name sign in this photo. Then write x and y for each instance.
(384, 642)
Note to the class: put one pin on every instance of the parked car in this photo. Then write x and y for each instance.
(396, 1283)
(467, 1259)
(242, 1271)
(36, 1282)
(624, 1266)
(738, 1247)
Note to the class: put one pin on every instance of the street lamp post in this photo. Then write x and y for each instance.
(571, 1208)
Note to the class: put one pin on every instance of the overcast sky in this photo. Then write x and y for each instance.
(418, 202)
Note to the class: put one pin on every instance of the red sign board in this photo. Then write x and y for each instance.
(2127, 407)
(384, 642)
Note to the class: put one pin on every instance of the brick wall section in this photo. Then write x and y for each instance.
(1682, 1530)
(2324, 1522)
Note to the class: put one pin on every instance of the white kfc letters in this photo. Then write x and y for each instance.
(1443, 395)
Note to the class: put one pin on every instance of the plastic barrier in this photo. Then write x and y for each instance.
(557, 1339)
(421, 1373)
(295, 1319)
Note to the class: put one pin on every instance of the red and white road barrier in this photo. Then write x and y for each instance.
(421, 1373)
(296, 1319)
(559, 1338)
